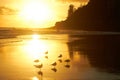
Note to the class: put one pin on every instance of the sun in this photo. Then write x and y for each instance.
(36, 12)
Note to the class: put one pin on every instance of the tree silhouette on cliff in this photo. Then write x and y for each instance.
(97, 15)
(71, 10)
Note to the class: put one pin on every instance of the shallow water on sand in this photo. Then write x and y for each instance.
(76, 57)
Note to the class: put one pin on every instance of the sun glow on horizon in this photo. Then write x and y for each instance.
(36, 13)
(35, 36)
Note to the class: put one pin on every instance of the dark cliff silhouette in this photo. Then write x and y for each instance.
(103, 52)
(100, 15)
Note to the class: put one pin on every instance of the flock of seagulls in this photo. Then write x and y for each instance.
(54, 64)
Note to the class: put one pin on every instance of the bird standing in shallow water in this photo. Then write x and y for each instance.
(60, 56)
(67, 66)
(46, 52)
(67, 60)
(54, 69)
(54, 64)
(36, 61)
(60, 60)
(46, 57)
(40, 73)
(39, 66)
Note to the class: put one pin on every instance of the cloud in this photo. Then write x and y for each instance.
(7, 11)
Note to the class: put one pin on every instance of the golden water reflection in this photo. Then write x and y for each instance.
(21, 56)
(35, 47)
(46, 52)
(35, 78)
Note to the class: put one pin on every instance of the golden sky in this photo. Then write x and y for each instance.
(36, 13)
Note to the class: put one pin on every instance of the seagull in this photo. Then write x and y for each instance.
(60, 56)
(40, 73)
(54, 64)
(60, 60)
(67, 66)
(54, 69)
(46, 57)
(36, 60)
(46, 52)
(39, 66)
(67, 60)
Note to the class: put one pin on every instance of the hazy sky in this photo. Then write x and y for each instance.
(56, 9)
(17, 3)
(72, 0)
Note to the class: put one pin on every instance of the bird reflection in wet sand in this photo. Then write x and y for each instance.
(36, 61)
(54, 69)
(60, 60)
(40, 73)
(67, 60)
(67, 66)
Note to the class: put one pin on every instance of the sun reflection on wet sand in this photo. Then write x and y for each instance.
(36, 47)
(42, 57)
(46, 52)
(36, 50)
(35, 78)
